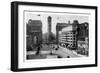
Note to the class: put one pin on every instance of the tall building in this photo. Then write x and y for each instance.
(49, 28)
(71, 34)
(68, 36)
(59, 27)
(34, 33)
(83, 38)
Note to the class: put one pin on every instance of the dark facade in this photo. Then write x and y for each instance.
(34, 34)
(83, 29)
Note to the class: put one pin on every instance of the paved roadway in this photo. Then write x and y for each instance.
(64, 52)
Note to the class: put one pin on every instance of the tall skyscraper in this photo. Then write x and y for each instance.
(49, 28)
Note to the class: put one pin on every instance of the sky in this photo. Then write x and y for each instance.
(56, 18)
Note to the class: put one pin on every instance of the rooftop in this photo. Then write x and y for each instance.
(35, 22)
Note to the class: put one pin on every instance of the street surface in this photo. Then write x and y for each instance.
(64, 52)
(47, 51)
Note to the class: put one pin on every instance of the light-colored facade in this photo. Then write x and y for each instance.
(72, 34)
(67, 36)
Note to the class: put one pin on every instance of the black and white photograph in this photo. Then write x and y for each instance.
(52, 36)
(56, 36)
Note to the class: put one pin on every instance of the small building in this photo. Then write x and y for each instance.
(83, 31)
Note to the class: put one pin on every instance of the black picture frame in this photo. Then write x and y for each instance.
(14, 35)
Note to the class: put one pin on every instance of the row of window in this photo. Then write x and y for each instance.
(68, 38)
(71, 32)
(67, 41)
(71, 36)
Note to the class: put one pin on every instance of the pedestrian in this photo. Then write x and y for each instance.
(68, 56)
(38, 51)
